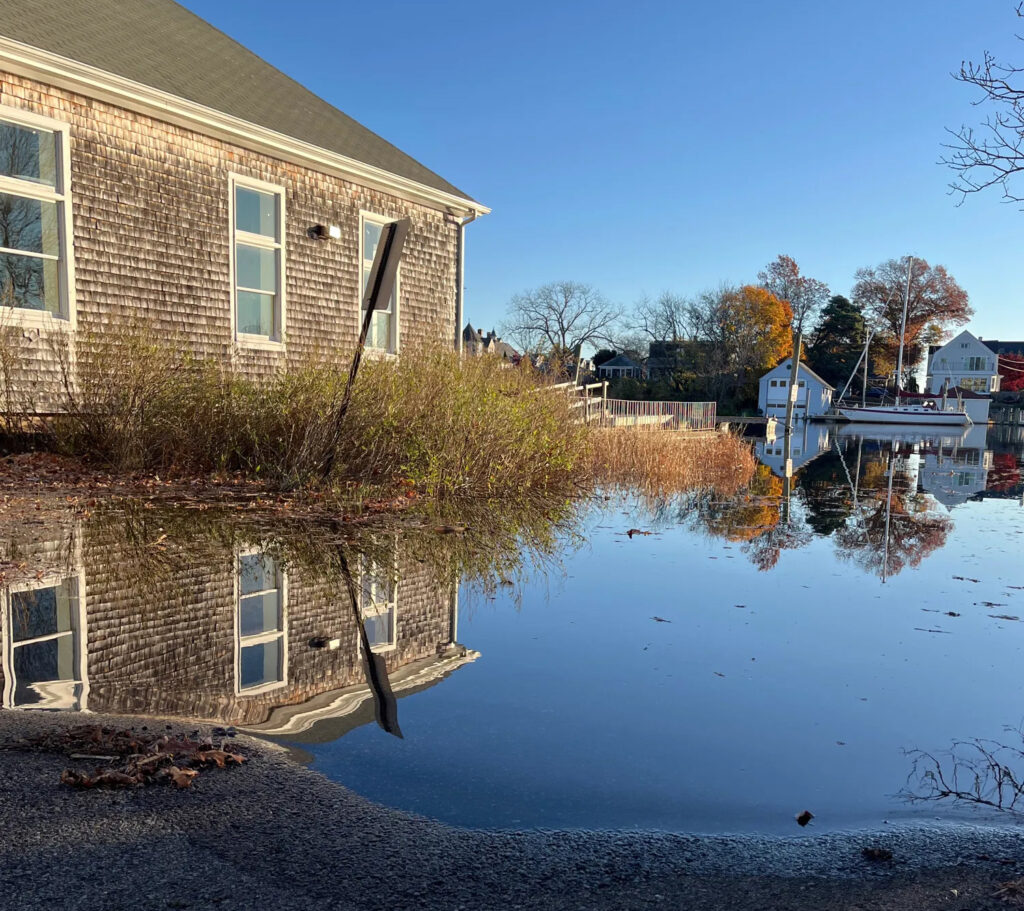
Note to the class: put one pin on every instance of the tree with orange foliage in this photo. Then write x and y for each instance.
(935, 300)
(745, 332)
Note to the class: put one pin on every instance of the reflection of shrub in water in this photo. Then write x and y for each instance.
(980, 772)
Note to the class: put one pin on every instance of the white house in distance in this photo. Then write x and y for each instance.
(620, 365)
(814, 395)
(964, 363)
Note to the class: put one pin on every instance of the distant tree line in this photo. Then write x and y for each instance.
(717, 344)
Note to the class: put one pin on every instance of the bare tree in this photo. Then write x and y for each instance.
(667, 319)
(995, 153)
(560, 317)
(805, 295)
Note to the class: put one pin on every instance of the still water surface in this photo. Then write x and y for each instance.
(729, 664)
(746, 661)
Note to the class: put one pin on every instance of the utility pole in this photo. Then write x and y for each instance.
(794, 374)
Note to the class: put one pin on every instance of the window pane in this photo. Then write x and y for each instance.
(29, 282)
(28, 153)
(256, 268)
(259, 614)
(256, 212)
(256, 313)
(29, 225)
(379, 627)
(41, 612)
(379, 335)
(371, 237)
(257, 572)
(260, 664)
(39, 662)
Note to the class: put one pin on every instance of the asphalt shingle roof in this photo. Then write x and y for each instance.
(163, 45)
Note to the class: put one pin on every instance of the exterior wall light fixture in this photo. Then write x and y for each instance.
(323, 232)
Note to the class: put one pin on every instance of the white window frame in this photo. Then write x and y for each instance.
(275, 342)
(282, 633)
(394, 343)
(60, 195)
(78, 631)
(374, 608)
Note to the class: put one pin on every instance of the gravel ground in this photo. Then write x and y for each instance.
(273, 834)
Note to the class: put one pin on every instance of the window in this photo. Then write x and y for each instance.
(378, 604)
(36, 270)
(261, 652)
(782, 383)
(977, 363)
(383, 334)
(974, 383)
(800, 384)
(44, 664)
(773, 383)
(257, 261)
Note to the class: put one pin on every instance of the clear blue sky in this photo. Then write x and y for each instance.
(664, 145)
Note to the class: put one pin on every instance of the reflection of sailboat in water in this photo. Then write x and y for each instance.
(891, 527)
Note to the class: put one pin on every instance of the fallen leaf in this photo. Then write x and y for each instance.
(805, 817)
(182, 778)
(221, 757)
(660, 620)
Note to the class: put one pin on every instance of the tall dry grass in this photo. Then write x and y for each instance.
(666, 463)
(449, 427)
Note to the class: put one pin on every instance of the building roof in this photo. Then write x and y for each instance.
(160, 44)
(1004, 348)
(787, 364)
(620, 360)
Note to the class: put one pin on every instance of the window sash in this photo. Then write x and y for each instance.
(271, 324)
(48, 292)
(383, 334)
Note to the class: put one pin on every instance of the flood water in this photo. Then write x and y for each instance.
(833, 641)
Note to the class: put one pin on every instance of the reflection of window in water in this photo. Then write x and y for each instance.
(967, 457)
(261, 647)
(963, 478)
(378, 603)
(44, 663)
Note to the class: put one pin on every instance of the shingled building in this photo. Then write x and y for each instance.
(153, 168)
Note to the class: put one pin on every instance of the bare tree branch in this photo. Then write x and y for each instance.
(560, 317)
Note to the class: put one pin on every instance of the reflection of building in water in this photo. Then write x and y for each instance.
(954, 471)
(233, 636)
(807, 443)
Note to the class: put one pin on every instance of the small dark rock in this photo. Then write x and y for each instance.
(877, 855)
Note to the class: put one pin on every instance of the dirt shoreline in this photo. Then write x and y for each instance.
(273, 834)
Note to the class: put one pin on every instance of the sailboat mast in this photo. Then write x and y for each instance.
(903, 330)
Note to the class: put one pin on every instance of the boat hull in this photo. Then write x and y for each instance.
(906, 415)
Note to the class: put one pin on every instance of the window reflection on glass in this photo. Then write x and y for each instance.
(27, 153)
(256, 212)
(46, 660)
(381, 332)
(261, 627)
(29, 253)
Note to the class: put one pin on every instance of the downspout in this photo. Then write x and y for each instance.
(460, 275)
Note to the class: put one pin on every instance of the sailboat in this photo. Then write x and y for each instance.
(932, 411)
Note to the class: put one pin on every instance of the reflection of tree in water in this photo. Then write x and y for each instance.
(981, 772)
(759, 517)
(825, 493)
(890, 530)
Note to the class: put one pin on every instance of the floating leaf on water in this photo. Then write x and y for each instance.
(805, 817)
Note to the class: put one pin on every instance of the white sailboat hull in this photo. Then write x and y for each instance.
(905, 414)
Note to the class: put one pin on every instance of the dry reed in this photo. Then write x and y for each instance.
(666, 463)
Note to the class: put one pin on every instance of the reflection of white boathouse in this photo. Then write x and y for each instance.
(806, 444)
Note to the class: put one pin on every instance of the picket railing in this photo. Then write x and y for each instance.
(598, 409)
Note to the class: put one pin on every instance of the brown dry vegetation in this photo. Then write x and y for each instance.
(665, 463)
(430, 425)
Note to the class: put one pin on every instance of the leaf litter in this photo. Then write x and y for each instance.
(136, 757)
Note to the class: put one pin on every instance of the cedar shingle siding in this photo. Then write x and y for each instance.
(152, 240)
(160, 638)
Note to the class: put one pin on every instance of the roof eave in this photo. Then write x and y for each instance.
(63, 72)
